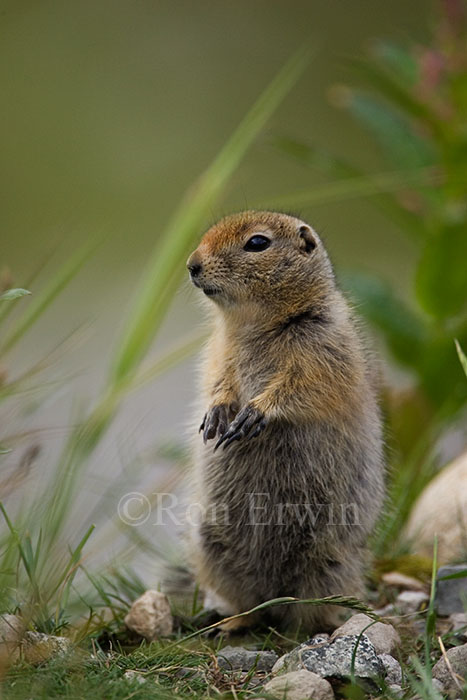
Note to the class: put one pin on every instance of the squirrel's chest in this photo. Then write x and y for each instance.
(253, 369)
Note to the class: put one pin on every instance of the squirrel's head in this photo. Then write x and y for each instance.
(261, 259)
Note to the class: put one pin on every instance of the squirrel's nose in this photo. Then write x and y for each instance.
(194, 269)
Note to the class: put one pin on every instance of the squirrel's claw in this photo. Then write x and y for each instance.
(215, 422)
(249, 419)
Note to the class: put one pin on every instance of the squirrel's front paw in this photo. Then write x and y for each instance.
(249, 422)
(216, 420)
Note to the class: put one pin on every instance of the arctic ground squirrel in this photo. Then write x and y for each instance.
(289, 463)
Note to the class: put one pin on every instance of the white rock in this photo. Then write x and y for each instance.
(239, 658)
(398, 580)
(292, 658)
(384, 638)
(393, 669)
(335, 659)
(438, 512)
(299, 685)
(411, 601)
(396, 690)
(150, 616)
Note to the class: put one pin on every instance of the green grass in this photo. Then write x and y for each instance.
(103, 676)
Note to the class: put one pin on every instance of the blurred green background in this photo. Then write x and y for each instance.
(110, 112)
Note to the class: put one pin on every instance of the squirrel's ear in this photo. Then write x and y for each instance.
(308, 241)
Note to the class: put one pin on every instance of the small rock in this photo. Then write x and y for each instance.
(451, 595)
(334, 660)
(291, 660)
(458, 623)
(238, 658)
(409, 602)
(134, 676)
(11, 632)
(384, 638)
(437, 512)
(396, 690)
(150, 616)
(393, 669)
(37, 647)
(458, 659)
(300, 685)
(398, 580)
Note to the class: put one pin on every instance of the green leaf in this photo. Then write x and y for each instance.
(404, 331)
(7, 309)
(441, 376)
(400, 141)
(462, 356)
(441, 281)
(11, 294)
(166, 265)
(397, 60)
(393, 87)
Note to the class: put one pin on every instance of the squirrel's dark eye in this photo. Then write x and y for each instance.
(257, 244)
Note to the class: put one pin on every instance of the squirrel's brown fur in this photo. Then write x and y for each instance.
(290, 473)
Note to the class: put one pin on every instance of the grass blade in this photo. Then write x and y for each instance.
(354, 187)
(25, 556)
(424, 687)
(70, 571)
(459, 574)
(341, 601)
(462, 356)
(431, 614)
